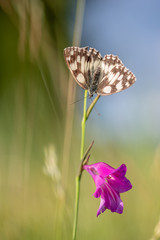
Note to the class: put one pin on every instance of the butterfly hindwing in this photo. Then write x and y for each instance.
(116, 77)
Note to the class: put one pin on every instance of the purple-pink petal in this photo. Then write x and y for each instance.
(102, 169)
(121, 171)
(118, 180)
(119, 184)
(112, 199)
(97, 193)
(102, 207)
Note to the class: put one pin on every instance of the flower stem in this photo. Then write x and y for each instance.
(83, 124)
(82, 157)
(79, 175)
(76, 206)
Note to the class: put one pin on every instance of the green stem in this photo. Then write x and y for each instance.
(83, 124)
(76, 207)
(82, 157)
(79, 175)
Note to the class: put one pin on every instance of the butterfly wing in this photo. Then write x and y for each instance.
(94, 60)
(75, 59)
(115, 76)
(82, 63)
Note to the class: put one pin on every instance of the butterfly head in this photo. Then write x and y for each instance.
(91, 93)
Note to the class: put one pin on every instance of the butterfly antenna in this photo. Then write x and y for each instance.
(78, 100)
(98, 113)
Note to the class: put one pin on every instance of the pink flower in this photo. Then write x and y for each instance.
(110, 183)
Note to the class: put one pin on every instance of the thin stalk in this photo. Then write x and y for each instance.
(82, 157)
(83, 124)
(76, 206)
(78, 178)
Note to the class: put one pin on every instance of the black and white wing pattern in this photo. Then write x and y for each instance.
(103, 76)
(115, 76)
(81, 63)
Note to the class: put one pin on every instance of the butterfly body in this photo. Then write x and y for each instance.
(93, 83)
(103, 76)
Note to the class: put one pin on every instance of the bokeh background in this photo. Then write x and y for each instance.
(40, 118)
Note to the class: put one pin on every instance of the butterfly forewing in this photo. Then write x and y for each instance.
(95, 60)
(76, 60)
(102, 76)
(82, 63)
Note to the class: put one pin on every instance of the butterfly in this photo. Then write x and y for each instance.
(103, 76)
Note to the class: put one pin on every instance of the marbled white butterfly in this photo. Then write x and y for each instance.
(103, 76)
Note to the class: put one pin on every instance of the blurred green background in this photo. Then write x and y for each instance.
(40, 132)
